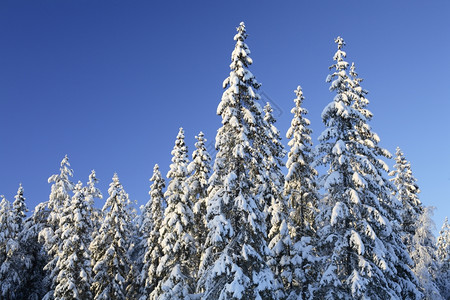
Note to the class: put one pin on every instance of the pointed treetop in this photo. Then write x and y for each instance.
(353, 72)
(92, 177)
(200, 136)
(268, 110)
(242, 33)
(65, 166)
(78, 187)
(340, 42)
(339, 56)
(115, 178)
(299, 93)
(179, 144)
(19, 196)
(20, 189)
(180, 133)
(156, 178)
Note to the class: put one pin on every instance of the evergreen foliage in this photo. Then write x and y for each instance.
(199, 168)
(362, 252)
(443, 254)
(110, 260)
(74, 277)
(12, 253)
(234, 265)
(60, 196)
(417, 227)
(423, 254)
(152, 222)
(176, 267)
(246, 230)
(407, 192)
(301, 192)
(301, 186)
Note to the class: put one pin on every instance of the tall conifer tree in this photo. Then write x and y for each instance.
(302, 195)
(234, 264)
(363, 253)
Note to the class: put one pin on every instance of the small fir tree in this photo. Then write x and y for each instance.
(91, 192)
(199, 168)
(60, 196)
(152, 222)
(301, 192)
(109, 249)
(275, 207)
(8, 245)
(74, 278)
(301, 187)
(416, 225)
(35, 278)
(19, 209)
(273, 162)
(407, 192)
(176, 267)
(426, 265)
(443, 255)
(12, 269)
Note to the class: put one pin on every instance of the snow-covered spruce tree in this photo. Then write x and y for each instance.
(109, 249)
(234, 266)
(52, 239)
(91, 192)
(272, 159)
(363, 255)
(151, 224)
(177, 267)
(423, 254)
(275, 207)
(283, 259)
(12, 275)
(8, 245)
(199, 169)
(301, 192)
(417, 226)
(407, 192)
(360, 103)
(19, 209)
(35, 279)
(443, 255)
(74, 277)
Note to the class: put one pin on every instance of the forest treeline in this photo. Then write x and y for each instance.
(239, 226)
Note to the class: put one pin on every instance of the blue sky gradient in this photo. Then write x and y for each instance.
(110, 82)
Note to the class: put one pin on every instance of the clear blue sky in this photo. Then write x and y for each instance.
(110, 82)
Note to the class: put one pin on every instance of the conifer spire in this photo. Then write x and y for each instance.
(151, 225)
(358, 234)
(176, 267)
(233, 266)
